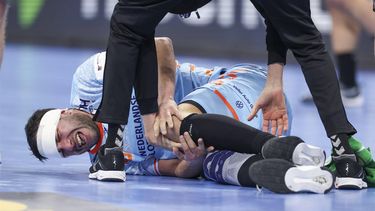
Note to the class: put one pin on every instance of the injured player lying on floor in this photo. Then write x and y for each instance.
(214, 104)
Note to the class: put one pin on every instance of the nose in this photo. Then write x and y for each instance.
(65, 145)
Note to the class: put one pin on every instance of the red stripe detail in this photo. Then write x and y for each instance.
(99, 143)
(234, 114)
(155, 168)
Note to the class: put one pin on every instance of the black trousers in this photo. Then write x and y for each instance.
(289, 26)
(131, 56)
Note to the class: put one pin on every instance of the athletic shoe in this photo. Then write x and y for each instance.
(281, 176)
(293, 149)
(350, 174)
(109, 165)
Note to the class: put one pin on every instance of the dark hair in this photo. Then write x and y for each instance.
(31, 128)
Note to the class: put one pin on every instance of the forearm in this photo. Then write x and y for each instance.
(189, 169)
(180, 168)
(275, 75)
(166, 69)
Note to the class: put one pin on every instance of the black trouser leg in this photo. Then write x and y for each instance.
(130, 43)
(292, 21)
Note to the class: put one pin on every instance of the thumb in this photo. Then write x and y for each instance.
(178, 114)
(254, 111)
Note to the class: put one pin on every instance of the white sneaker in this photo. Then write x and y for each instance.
(281, 176)
(295, 150)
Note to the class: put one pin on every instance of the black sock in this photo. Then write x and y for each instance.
(224, 133)
(340, 145)
(347, 69)
(243, 174)
(114, 136)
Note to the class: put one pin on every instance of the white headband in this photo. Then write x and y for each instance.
(46, 135)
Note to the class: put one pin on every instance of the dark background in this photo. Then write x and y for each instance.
(227, 28)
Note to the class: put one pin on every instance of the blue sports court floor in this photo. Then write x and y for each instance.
(35, 77)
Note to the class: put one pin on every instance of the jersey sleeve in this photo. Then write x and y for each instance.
(148, 167)
(87, 84)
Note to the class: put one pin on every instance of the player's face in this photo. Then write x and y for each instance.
(76, 132)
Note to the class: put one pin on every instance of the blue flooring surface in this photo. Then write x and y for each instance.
(37, 77)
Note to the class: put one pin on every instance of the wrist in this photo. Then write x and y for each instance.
(275, 75)
(165, 99)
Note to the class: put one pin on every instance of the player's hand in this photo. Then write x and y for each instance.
(189, 151)
(162, 141)
(275, 116)
(163, 119)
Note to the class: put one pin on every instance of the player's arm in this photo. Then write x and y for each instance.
(167, 79)
(166, 68)
(180, 168)
(190, 159)
(272, 100)
(166, 89)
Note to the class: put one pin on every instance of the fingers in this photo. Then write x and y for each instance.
(163, 127)
(168, 144)
(189, 141)
(286, 123)
(254, 111)
(169, 120)
(178, 153)
(184, 145)
(273, 127)
(201, 144)
(178, 114)
(265, 125)
(210, 149)
(156, 127)
(280, 126)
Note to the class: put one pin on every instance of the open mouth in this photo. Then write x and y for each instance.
(81, 140)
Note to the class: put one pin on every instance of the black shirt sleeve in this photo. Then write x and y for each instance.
(275, 46)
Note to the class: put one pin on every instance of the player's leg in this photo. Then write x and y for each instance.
(225, 133)
(277, 175)
(344, 37)
(281, 176)
(361, 11)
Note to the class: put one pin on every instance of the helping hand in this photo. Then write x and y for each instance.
(162, 141)
(189, 151)
(163, 120)
(272, 103)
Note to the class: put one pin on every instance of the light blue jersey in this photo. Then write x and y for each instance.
(227, 91)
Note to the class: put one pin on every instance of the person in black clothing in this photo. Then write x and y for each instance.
(131, 62)
(289, 26)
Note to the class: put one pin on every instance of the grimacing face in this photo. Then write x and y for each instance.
(76, 132)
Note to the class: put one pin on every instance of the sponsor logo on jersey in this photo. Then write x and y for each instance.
(144, 148)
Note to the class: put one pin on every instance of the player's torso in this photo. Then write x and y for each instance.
(233, 92)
